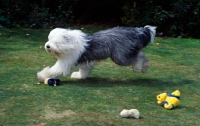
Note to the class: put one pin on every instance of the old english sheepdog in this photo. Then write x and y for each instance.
(73, 48)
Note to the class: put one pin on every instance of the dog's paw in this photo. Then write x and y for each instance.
(145, 66)
(77, 75)
(40, 77)
(141, 66)
(137, 68)
(43, 74)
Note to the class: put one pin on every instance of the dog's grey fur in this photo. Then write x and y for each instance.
(121, 44)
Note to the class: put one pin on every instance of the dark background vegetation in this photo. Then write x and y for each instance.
(174, 18)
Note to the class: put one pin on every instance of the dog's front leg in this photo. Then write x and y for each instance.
(43, 74)
(81, 74)
(58, 69)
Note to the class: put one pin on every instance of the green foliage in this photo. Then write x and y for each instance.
(4, 20)
(97, 100)
(173, 17)
(31, 13)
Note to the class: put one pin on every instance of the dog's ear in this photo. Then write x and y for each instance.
(72, 36)
(66, 38)
(73, 39)
(68, 43)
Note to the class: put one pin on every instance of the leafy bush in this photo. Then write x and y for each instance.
(176, 18)
(173, 17)
(4, 20)
(31, 13)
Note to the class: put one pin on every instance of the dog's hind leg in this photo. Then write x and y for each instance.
(141, 64)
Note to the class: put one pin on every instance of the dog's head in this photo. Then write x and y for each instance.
(63, 42)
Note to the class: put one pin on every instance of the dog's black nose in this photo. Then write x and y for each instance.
(48, 46)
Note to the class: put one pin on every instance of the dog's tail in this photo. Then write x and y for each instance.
(153, 32)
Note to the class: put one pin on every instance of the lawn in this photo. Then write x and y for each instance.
(97, 100)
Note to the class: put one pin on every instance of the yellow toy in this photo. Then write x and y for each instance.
(169, 102)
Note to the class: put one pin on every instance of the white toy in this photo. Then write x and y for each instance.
(133, 113)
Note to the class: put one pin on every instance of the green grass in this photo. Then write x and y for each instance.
(98, 100)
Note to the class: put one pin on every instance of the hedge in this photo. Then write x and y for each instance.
(174, 18)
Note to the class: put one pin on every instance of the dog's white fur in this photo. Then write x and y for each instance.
(68, 45)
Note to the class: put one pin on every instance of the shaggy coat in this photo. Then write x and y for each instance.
(121, 44)
(75, 48)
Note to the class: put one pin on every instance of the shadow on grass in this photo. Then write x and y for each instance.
(107, 82)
